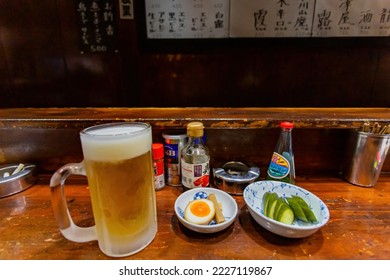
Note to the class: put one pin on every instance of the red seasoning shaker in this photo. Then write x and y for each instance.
(158, 165)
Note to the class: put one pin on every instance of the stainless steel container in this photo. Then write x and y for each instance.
(234, 176)
(365, 155)
(14, 183)
(174, 143)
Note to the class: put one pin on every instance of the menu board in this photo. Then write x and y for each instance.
(351, 18)
(309, 18)
(187, 19)
(96, 24)
(176, 19)
(271, 18)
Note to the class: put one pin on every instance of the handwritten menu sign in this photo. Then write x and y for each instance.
(351, 18)
(96, 23)
(309, 18)
(187, 19)
(271, 18)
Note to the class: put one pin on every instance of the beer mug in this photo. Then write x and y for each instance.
(118, 165)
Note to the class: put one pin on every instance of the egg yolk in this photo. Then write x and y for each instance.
(200, 209)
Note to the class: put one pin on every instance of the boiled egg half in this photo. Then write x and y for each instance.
(199, 211)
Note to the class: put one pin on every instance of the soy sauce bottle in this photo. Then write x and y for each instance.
(282, 167)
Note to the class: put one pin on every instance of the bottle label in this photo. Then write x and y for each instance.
(172, 164)
(279, 167)
(159, 180)
(195, 175)
(171, 152)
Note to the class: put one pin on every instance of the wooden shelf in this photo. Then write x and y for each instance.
(212, 117)
(49, 137)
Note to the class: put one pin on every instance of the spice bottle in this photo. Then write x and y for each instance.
(158, 165)
(195, 158)
(282, 167)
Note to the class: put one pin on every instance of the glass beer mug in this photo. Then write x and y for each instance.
(118, 165)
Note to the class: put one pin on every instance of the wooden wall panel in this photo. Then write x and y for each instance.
(41, 66)
(32, 53)
(381, 91)
(270, 72)
(284, 74)
(344, 77)
(5, 86)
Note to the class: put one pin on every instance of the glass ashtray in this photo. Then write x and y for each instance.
(12, 183)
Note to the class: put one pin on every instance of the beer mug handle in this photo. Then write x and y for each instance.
(67, 227)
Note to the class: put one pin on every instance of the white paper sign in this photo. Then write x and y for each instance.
(175, 19)
(335, 18)
(271, 18)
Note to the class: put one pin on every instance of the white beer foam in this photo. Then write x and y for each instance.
(115, 130)
(101, 145)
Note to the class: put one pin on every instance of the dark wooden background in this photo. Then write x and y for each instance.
(41, 66)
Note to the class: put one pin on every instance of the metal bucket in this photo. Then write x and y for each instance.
(365, 155)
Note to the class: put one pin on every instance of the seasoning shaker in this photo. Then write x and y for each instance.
(158, 165)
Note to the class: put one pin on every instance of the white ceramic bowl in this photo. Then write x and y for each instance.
(253, 196)
(229, 209)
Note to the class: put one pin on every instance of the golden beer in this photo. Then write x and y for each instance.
(119, 169)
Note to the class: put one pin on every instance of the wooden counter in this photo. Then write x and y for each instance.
(358, 227)
(49, 137)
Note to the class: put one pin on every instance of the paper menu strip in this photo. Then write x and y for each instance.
(176, 19)
(305, 18)
(334, 18)
(271, 18)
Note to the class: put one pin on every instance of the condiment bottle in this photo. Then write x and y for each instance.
(195, 158)
(282, 167)
(158, 165)
(175, 141)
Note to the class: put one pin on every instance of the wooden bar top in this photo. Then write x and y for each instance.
(358, 227)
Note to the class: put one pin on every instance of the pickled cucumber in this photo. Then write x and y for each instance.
(285, 215)
(286, 210)
(265, 201)
(296, 207)
(268, 205)
(279, 205)
(272, 206)
(277, 208)
(306, 208)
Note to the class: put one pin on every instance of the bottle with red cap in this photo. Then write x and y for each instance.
(282, 167)
(158, 165)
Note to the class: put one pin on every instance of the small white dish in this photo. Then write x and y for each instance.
(229, 209)
(253, 196)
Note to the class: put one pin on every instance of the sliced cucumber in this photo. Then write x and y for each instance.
(286, 215)
(298, 212)
(270, 200)
(285, 210)
(265, 201)
(306, 208)
(271, 206)
(278, 206)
